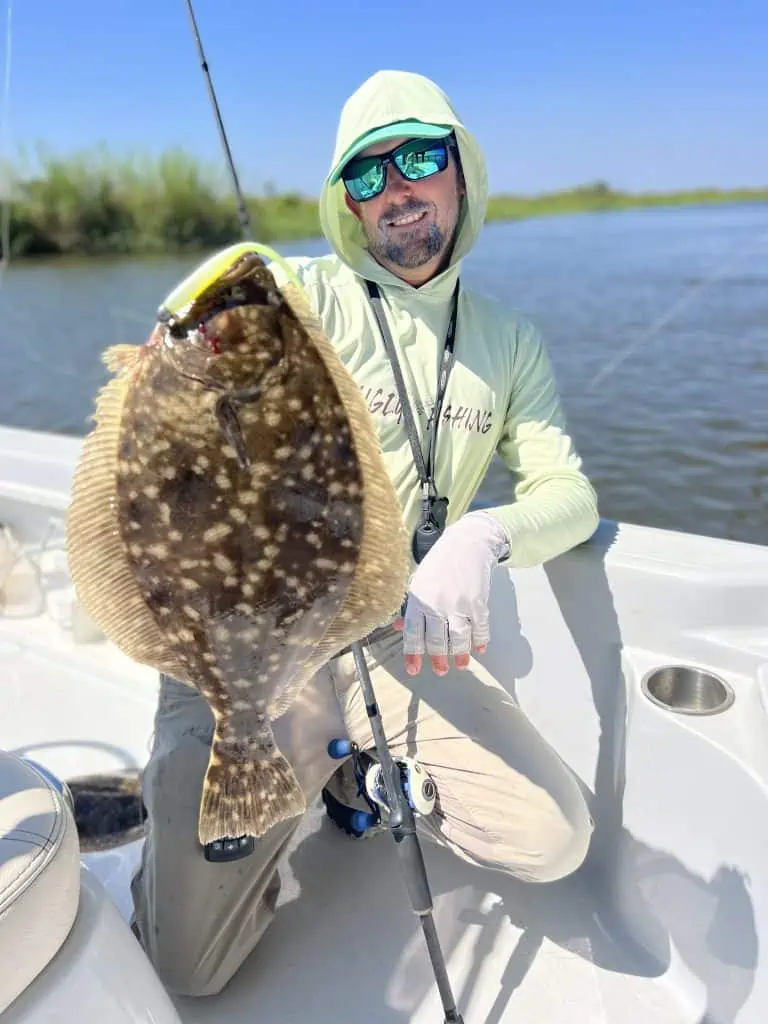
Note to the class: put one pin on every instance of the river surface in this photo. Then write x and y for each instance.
(656, 321)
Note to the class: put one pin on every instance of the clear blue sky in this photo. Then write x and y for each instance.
(649, 95)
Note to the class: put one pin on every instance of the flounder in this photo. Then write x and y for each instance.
(232, 522)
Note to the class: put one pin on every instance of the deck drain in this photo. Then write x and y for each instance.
(687, 690)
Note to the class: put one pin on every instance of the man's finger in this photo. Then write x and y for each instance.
(440, 664)
(436, 634)
(413, 630)
(459, 634)
(413, 664)
(481, 630)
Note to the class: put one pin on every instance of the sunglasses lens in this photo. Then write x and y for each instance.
(420, 159)
(364, 178)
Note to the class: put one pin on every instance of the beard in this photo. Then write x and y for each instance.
(407, 247)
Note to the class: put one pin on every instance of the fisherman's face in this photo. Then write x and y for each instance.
(413, 249)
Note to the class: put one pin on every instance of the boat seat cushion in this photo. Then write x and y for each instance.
(39, 874)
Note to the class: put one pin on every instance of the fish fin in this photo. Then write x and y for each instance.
(380, 582)
(247, 798)
(120, 357)
(98, 562)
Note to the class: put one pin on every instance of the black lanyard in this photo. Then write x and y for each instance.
(425, 468)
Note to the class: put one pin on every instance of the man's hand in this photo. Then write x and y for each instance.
(447, 608)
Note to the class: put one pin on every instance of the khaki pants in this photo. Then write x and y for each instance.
(505, 801)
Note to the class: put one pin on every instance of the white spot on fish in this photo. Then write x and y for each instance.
(223, 481)
(217, 532)
(325, 563)
(151, 491)
(158, 550)
(169, 472)
(238, 515)
(222, 562)
(189, 584)
(283, 452)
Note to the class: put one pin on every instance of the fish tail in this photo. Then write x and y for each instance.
(247, 797)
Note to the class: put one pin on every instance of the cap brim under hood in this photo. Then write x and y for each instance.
(386, 97)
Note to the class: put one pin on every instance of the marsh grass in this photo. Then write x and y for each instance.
(94, 203)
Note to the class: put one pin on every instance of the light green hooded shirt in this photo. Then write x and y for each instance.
(501, 396)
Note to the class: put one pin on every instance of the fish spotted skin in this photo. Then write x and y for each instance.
(240, 498)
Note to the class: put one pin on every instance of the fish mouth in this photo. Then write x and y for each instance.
(235, 288)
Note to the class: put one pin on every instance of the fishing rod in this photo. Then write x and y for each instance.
(401, 816)
(242, 209)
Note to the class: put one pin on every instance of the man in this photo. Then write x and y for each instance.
(404, 203)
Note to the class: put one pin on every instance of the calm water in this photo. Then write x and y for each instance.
(665, 380)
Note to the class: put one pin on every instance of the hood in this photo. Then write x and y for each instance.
(386, 97)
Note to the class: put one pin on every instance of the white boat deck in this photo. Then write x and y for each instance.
(667, 922)
(344, 938)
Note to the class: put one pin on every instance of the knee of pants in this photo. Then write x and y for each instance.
(186, 970)
(538, 844)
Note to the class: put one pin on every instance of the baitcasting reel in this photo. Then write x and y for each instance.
(417, 785)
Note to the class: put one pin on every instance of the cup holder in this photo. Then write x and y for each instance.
(687, 691)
